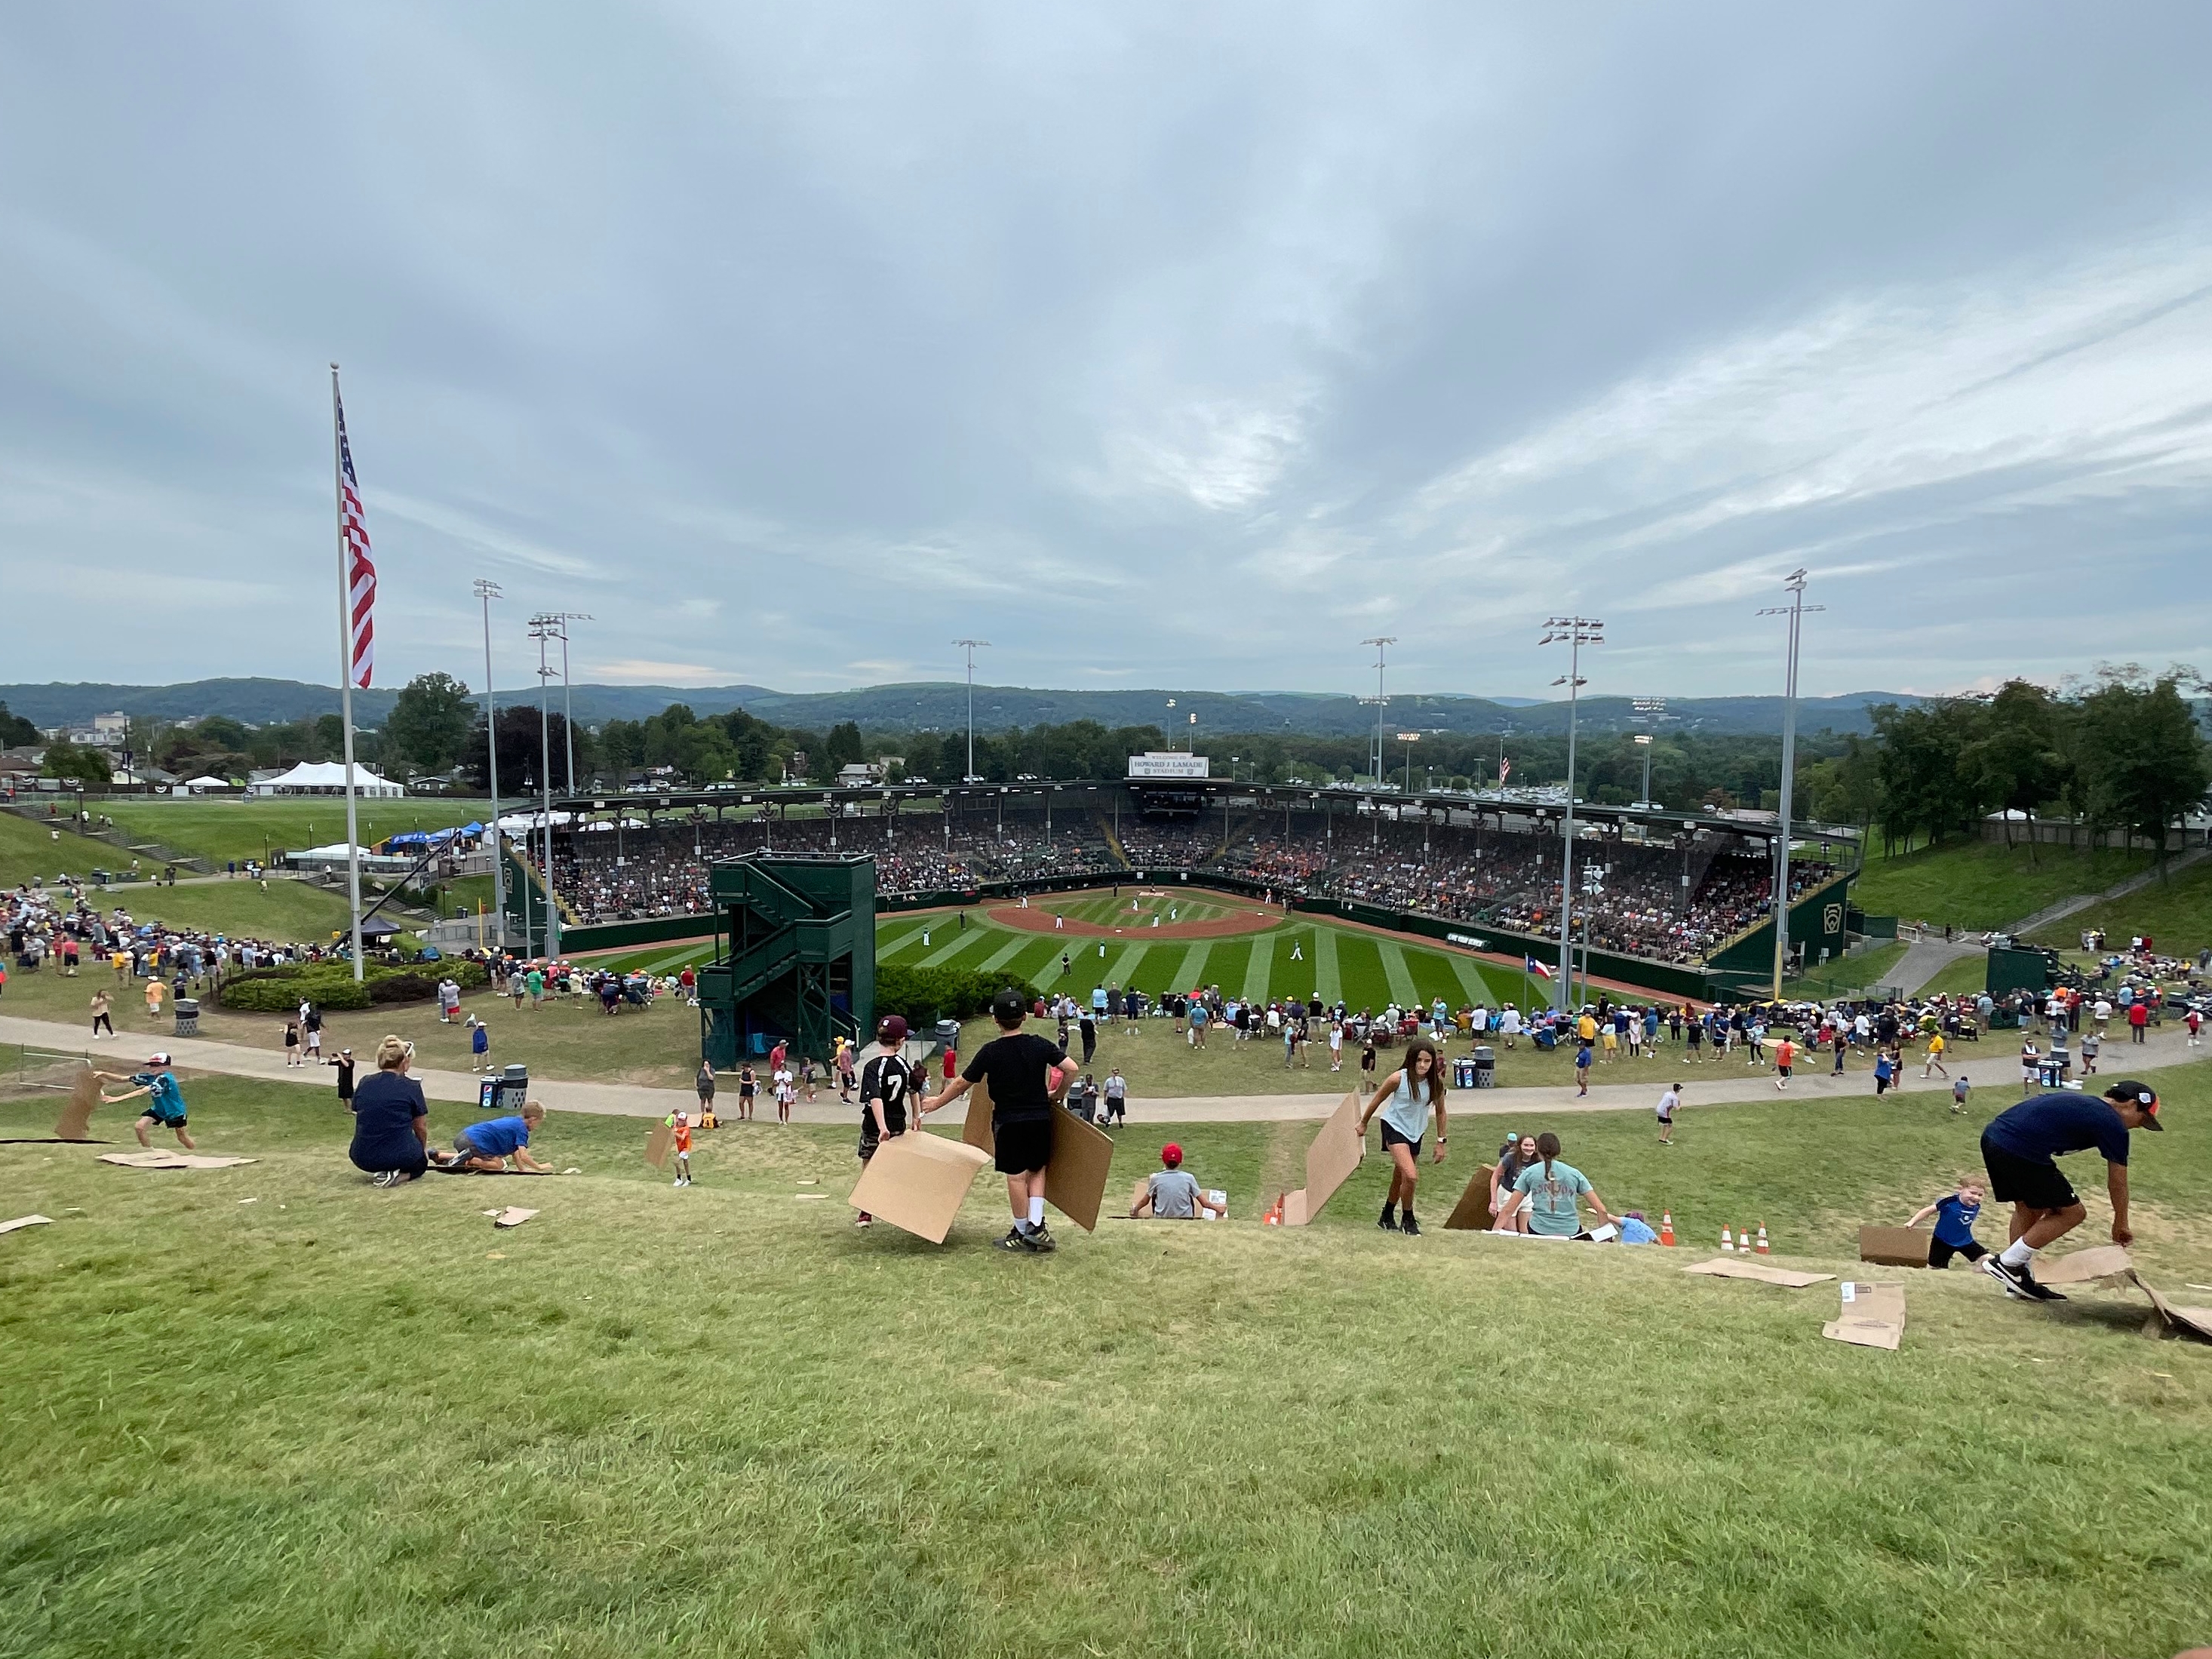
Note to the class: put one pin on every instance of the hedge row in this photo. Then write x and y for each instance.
(925, 996)
(331, 985)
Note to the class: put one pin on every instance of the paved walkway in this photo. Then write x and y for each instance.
(1993, 1064)
(1924, 958)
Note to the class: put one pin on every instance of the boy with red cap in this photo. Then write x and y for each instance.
(2020, 1149)
(885, 1078)
(1172, 1192)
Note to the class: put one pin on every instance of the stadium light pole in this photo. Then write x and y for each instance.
(971, 647)
(1653, 706)
(546, 626)
(1796, 610)
(1575, 633)
(486, 593)
(1381, 642)
(567, 708)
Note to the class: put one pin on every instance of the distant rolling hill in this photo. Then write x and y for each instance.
(942, 705)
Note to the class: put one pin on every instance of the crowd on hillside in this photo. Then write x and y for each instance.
(1661, 904)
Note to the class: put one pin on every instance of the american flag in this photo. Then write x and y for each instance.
(361, 571)
(1505, 770)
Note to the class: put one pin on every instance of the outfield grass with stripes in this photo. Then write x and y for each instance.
(1296, 956)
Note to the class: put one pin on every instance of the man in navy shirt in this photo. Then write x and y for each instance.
(2020, 1149)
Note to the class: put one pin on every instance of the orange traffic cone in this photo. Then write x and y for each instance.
(1667, 1228)
(1728, 1239)
(1762, 1238)
(1274, 1216)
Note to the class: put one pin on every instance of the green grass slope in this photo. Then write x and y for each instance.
(221, 831)
(1985, 885)
(2176, 912)
(339, 1421)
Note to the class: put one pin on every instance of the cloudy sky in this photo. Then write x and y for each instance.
(1160, 345)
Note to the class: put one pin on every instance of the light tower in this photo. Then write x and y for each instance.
(1796, 610)
(1651, 708)
(1381, 642)
(1575, 633)
(971, 647)
(486, 593)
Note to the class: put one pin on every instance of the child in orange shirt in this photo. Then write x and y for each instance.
(680, 1121)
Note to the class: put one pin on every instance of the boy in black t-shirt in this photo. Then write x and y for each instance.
(885, 1078)
(1028, 1077)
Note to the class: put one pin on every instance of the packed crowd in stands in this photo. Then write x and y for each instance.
(1636, 898)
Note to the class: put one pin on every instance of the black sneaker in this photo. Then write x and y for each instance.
(1014, 1241)
(1389, 1224)
(1039, 1240)
(2018, 1281)
(2036, 1289)
(1408, 1224)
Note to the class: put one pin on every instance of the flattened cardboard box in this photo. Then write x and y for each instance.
(1873, 1318)
(1472, 1214)
(2082, 1266)
(918, 1183)
(2198, 1320)
(76, 1122)
(1334, 1154)
(1081, 1153)
(1895, 1246)
(658, 1146)
(1731, 1266)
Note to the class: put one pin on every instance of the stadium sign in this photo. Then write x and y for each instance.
(1157, 763)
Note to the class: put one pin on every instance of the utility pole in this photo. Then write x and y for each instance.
(1575, 633)
(544, 628)
(1796, 610)
(1381, 642)
(971, 647)
(486, 593)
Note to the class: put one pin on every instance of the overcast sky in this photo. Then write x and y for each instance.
(1162, 345)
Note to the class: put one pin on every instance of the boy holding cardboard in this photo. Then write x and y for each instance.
(1028, 1076)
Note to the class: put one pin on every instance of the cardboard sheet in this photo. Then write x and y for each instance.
(658, 1145)
(917, 1182)
(1472, 1214)
(1895, 1246)
(1334, 1154)
(1075, 1180)
(2195, 1320)
(76, 1122)
(26, 1221)
(2082, 1266)
(513, 1216)
(171, 1161)
(1875, 1318)
(1736, 1267)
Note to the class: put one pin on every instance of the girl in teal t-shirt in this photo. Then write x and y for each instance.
(1553, 1190)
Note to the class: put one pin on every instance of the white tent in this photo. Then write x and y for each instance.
(326, 778)
(197, 785)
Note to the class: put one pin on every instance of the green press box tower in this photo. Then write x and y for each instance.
(794, 956)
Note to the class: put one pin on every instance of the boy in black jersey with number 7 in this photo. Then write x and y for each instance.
(1029, 1076)
(885, 1078)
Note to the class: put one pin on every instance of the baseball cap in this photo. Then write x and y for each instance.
(2127, 1091)
(890, 1031)
(1010, 1004)
(157, 1060)
(1171, 1154)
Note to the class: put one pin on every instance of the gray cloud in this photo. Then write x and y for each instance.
(1184, 345)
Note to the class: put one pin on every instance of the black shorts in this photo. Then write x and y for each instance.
(1392, 1138)
(1940, 1253)
(2036, 1182)
(1023, 1146)
(1782, 1071)
(165, 1123)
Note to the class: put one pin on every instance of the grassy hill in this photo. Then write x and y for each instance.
(252, 827)
(2177, 914)
(1985, 885)
(268, 1410)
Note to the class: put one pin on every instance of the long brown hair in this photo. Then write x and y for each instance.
(1548, 1148)
(1423, 1046)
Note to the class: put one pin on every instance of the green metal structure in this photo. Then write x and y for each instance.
(794, 957)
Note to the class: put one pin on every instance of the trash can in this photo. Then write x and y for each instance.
(1486, 1066)
(506, 1093)
(1463, 1072)
(948, 1034)
(188, 1017)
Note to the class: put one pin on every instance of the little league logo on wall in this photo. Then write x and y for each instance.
(1832, 918)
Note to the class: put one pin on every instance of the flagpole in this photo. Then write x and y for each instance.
(345, 670)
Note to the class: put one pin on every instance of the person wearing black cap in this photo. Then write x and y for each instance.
(1029, 1076)
(2020, 1149)
(885, 1078)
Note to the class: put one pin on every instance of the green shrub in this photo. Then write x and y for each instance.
(330, 985)
(926, 996)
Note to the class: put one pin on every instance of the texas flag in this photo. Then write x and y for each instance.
(1536, 968)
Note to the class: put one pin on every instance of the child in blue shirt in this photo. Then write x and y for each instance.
(480, 1047)
(1959, 1087)
(1582, 1069)
(1955, 1213)
(1883, 1070)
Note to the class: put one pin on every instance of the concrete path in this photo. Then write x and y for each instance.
(1993, 1064)
(1924, 958)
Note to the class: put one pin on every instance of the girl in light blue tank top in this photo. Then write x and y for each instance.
(1407, 1098)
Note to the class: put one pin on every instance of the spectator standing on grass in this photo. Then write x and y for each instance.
(155, 990)
(291, 1042)
(313, 1027)
(704, 1083)
(1198, 1019)
(2091, 1042)
(748, 1087)
(1552, 1191)
(2138, 1019)
(390, 1119)
(1117, 1097)
(2019, 1149)
(2031, 1067)
(345, 1078)
(479, 1046)
(1785, 1058)
(1669, 1104)
(1884, 1070)
(1407, 1098)
(1582, 1068)
(100, 1014)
